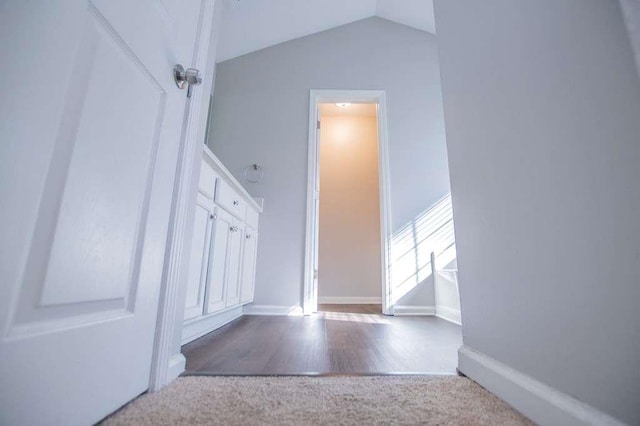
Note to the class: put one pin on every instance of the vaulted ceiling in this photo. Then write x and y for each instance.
(250, 25)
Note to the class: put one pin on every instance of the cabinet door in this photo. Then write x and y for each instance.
(200, 243)
(233, 264)
(220, 238)
(248, 274)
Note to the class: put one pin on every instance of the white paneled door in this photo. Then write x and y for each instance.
(91, 125)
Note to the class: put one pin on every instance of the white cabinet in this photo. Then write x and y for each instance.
(221, 272)
(230, 200)
(199, 260)
(234, 258)
(218, 262)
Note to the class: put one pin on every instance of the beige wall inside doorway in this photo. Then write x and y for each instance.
(349, 237)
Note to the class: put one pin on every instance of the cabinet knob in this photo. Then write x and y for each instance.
(236, 202)
(213, 216)
(247, 236)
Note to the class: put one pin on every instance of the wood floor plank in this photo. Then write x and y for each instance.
(354, 339)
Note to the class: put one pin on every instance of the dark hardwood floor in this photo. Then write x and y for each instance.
(339, 339)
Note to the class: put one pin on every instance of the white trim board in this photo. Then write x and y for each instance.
(339, 300)
(310, 295)
(275, 310)
(539, 402)
(205, 325)
(177, 365)
(449, 314)
(174, 276)
(404, 310)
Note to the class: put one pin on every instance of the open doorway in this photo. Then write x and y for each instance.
(347, 210)
(349, 243)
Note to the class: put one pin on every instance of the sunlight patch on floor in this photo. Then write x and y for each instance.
(343, 316)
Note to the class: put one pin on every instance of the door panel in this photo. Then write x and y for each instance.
(92, 122)
(200, 243)
(218, 261)
(84, 263)
(233, 264)
(248, 265)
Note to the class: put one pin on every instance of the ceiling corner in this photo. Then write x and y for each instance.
(418, 14)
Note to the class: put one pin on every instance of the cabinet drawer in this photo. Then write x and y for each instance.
(230, 200)
(207, 183)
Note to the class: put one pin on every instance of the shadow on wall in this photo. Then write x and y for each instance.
(411, 247)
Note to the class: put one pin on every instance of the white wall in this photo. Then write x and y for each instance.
(260, 115)
(542, 108)
(349, 236)
(631, 12)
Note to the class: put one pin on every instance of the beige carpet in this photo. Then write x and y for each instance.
(364, 400)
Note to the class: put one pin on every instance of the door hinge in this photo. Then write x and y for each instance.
(318, 125)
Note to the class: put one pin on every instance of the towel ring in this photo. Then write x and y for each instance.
(254, 173)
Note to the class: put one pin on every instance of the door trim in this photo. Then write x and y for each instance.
(310, 294)
(168, 362)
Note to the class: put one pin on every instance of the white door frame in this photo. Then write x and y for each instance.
(310, 295)
(168, 362)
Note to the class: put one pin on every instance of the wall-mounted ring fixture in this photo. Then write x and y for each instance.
(254, 173)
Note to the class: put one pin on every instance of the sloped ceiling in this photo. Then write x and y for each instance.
(250, 25)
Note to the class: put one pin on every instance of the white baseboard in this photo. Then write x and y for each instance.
(252, 309)
(449, 314)
(541, 403)
(177, 365)
(400, 310)
(338, 300)
(199, 327)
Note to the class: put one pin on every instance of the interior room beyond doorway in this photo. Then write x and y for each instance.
(349, 240)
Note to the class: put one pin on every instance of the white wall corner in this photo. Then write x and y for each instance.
(536, 400)
(400, 310)
(449, 314)
(275, 310)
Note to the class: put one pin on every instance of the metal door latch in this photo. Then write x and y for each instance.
(186, 78)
